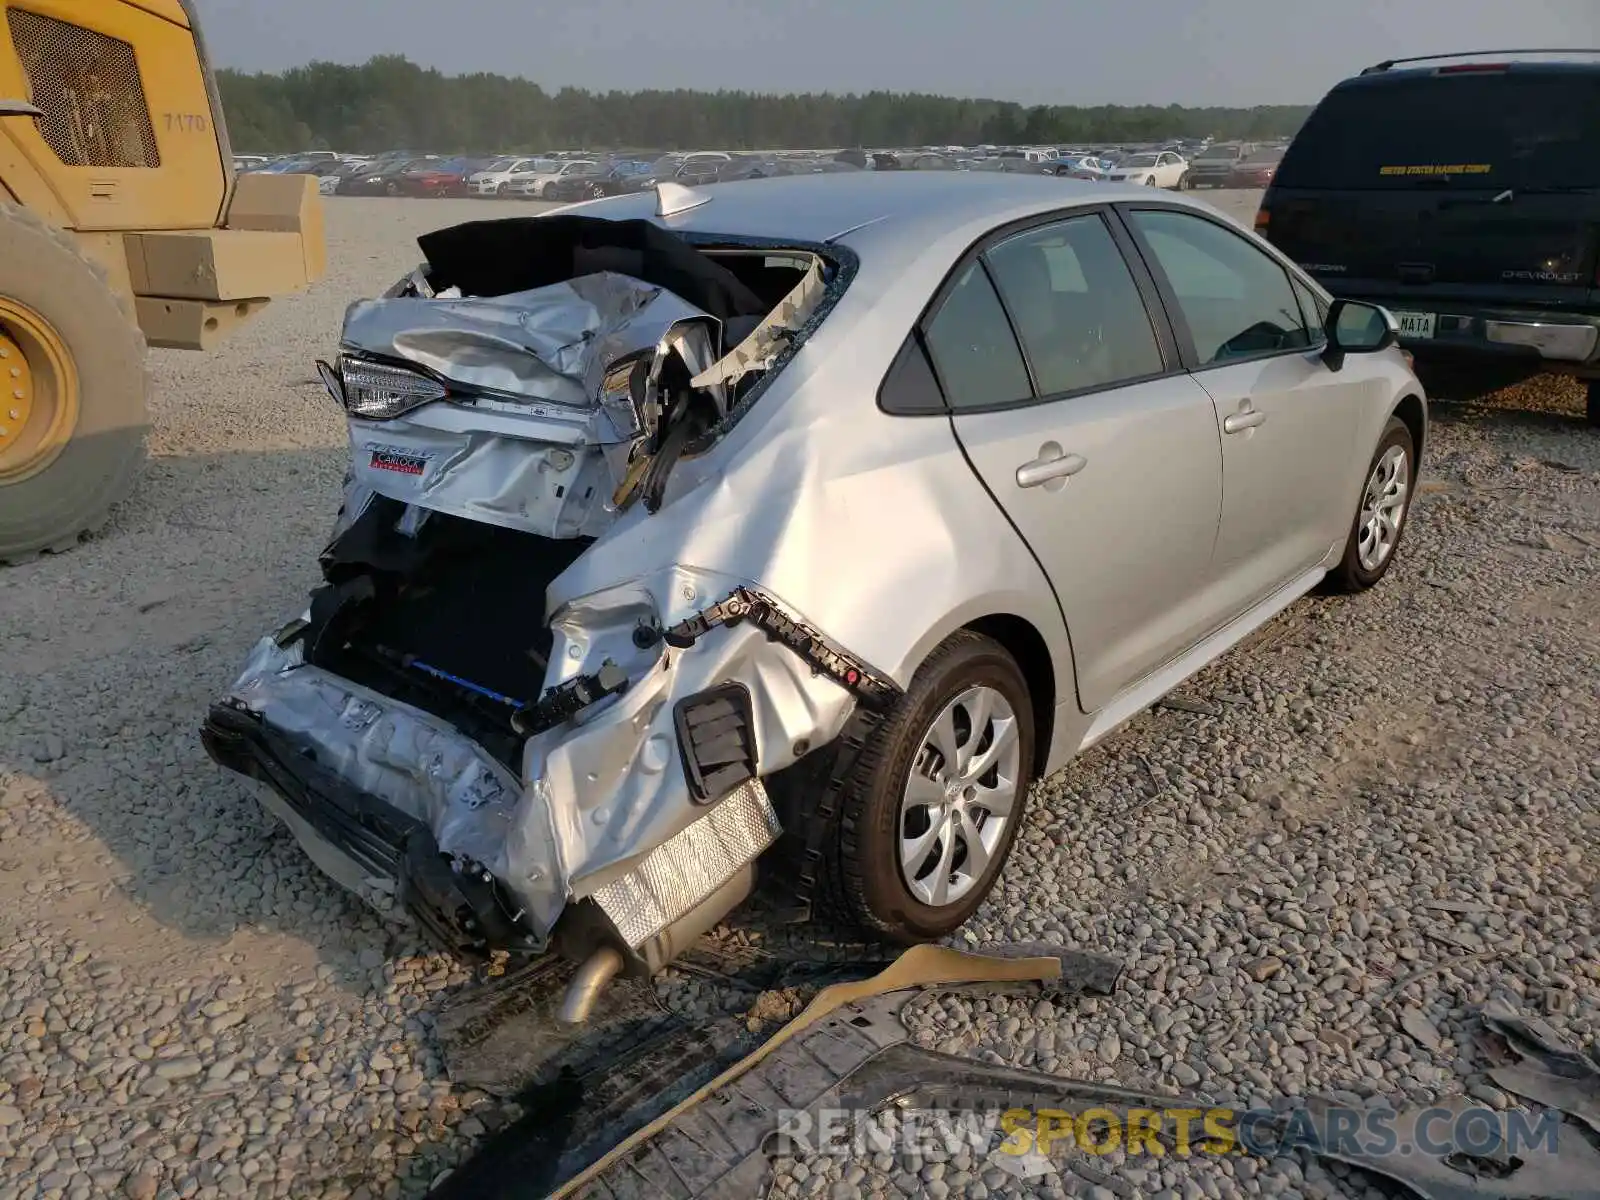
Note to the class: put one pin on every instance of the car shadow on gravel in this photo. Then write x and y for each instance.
(116, 829)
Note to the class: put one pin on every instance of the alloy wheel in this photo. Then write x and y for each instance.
(1383, 507)
(959, 797)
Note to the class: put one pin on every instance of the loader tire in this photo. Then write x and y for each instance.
(77, 443)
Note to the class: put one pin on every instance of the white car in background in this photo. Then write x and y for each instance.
(534, 182)
(329, 175)
(1166, 169)
(498, 176)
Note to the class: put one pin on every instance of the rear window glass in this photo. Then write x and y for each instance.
(1492, 131)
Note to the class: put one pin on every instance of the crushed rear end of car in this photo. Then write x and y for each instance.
(487, 719)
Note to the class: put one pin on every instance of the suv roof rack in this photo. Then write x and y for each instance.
(1390, 63)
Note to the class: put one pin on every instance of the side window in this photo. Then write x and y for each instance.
(1313, 309)
(1236, 300)
(973, 348)
(909, 389)
(1076, 307)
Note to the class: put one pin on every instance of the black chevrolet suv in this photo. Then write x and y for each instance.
(1464, 196)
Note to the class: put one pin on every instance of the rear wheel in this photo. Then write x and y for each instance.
(1185, 183)
(72, 391)
(929, 816)
(1381, 518)
(391, 188)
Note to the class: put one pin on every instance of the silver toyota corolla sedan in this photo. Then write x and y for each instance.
(801, 526)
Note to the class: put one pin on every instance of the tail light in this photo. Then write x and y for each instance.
(1263, 218)
(377, 391)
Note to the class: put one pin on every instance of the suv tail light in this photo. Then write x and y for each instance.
(1263, 219)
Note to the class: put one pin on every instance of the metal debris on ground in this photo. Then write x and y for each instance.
(663, 1106)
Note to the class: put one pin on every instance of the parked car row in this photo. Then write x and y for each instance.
(567, 176)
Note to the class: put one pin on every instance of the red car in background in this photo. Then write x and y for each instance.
(1255, 170)
(438, 178)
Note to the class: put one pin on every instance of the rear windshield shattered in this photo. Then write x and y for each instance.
(1491, 131)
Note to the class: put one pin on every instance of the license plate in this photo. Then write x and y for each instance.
(1415, 324)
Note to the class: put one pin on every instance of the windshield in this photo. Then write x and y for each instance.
(1140, 160)
(544, 166)
(1262, 156)
(667, 165)
(1482, 131)
(1220, 152)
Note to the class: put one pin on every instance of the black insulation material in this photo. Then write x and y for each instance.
(493, 258)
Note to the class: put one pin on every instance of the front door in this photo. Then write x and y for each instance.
(1101, 450)
(1286, 422)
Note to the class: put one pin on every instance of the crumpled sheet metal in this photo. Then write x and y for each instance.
(552, 343)
(558, 831)
(541, 452)
(515, 483)
(631, 742)
(415, 762)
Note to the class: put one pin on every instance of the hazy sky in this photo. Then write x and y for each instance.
(1230, 52)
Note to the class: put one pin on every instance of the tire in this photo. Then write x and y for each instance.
(1354, 574)
(1185, 184)
(1150, 182)
(596, 192)
(48, 507)
(391, 188)
(1594, 403)
(863, 881)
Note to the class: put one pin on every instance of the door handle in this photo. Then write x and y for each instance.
(1053, 463)
(1245, 418)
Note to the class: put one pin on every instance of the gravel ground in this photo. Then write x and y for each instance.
(1393, 805)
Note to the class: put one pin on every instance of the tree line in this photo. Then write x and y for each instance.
(391, 103)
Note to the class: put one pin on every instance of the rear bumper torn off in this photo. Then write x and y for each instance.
(391, 802)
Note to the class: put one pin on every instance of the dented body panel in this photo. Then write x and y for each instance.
(864, 539)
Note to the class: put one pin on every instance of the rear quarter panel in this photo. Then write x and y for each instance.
(871, 527)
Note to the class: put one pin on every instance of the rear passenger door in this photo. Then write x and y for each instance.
(1287, 423)
(1073, 408)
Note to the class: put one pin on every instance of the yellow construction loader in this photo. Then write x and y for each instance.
(122, 224)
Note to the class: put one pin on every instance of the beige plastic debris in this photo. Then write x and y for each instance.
(760, 350)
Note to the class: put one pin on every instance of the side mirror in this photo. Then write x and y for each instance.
(1354, 327)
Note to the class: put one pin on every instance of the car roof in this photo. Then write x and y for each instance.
(891, 212)
(1477, 67)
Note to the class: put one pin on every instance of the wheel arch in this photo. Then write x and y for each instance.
(1023, 641)
(1412, 412)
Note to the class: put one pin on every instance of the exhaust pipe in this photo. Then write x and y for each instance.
(599, 969)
